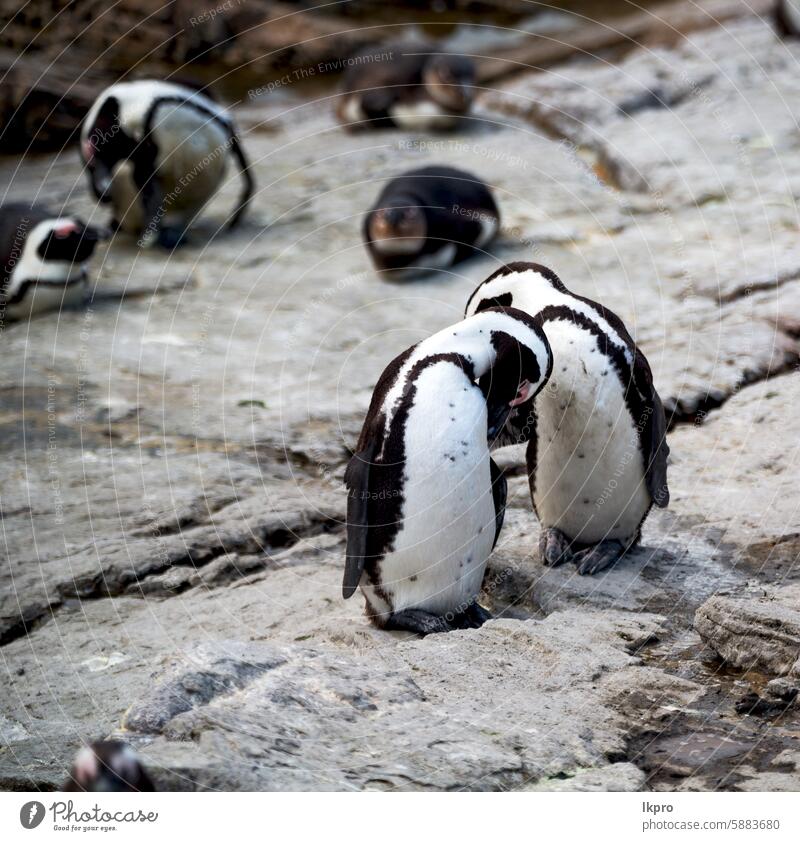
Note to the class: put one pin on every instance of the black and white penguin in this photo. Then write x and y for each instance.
(42, 260)
(406, 87)
(110, 766)
(597, 451)
(157, 152)
(787, 18)
(425, 500)
(429, 218)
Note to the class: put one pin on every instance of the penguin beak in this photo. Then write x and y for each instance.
(498, 415)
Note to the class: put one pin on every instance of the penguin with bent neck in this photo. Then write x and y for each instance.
(425, 500)
(597, 449)
(157, 152)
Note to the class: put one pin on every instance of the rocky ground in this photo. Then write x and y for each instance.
(171, 495)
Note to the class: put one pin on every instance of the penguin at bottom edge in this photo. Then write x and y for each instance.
(597, 449)
(110, 766)
(425, 500)
(42, 260)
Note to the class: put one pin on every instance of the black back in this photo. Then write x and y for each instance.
(454, 202)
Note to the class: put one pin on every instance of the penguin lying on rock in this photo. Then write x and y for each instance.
(597, 451)
(42, 257)
(425, 500)
(429, 218)
(157, 152)
(406, 87)
(108, 766)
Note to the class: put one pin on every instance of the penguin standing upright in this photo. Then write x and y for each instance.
(425, 500)
(42, 257)
(110, 766)
(429, 218)
(407, 87)
(157, 152)
(597, 451)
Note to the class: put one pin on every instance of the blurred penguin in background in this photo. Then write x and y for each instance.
(406, 87)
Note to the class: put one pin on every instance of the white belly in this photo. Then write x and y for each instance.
(47, 297)
(421, 116)
(590, 472)
(439, 555)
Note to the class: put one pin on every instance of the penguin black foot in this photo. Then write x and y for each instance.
(554, 547)
(473, 617)
(418, 621)
(599, 557)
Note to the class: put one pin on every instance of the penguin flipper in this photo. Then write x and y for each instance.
(654, 437)
(500, 494)
(656, 472)
(247, 177)
(356, 477)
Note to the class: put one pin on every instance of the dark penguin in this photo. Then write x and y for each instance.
(406, 87)
(108, 766)
(787, 18)
(157, 152)
(42, 257)
(425, 500)
(429, 218)
(597, 451)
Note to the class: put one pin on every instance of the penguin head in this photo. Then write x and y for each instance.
(521, 367)
(512, 283)
(66, 240)
(398, 228)
(108, 766)
(449, 81)
(103, 144)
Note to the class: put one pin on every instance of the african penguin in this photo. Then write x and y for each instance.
(407, 87)
(157, 152)
(42, 257)
(597, 449)
(787, 18)
(110, 766)
(429, 218)
(425, 500)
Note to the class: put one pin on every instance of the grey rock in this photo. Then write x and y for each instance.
(759, 630)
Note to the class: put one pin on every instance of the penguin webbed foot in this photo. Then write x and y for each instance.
(554, 547)
(418, 622)
(598, 557)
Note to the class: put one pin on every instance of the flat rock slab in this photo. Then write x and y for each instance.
(414, 715)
